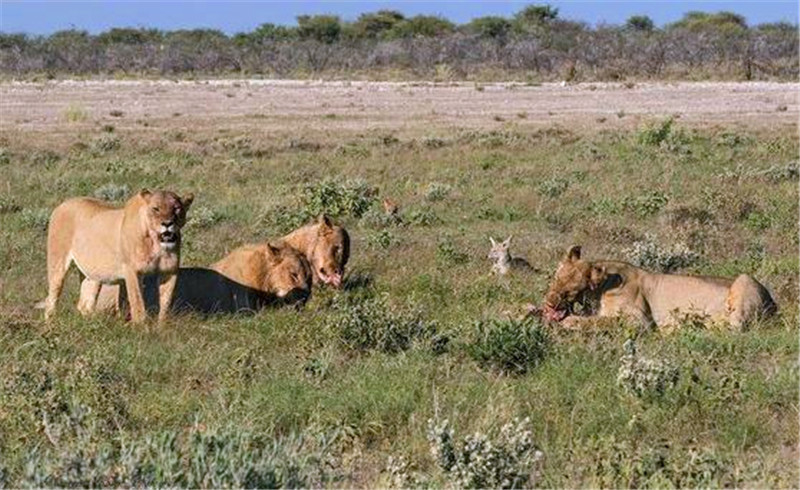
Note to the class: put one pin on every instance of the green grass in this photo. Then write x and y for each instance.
(327, 395)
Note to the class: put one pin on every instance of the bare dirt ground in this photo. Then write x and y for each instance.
(258, 106)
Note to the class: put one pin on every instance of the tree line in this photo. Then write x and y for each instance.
(534, 44)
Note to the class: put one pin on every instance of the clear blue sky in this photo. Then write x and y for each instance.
(44, 17)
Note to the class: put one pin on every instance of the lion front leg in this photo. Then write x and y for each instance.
(166, 290)
(133, 285)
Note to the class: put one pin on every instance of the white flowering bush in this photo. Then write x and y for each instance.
(644, 377)
(437, 191)
(509, 459)
(651, 254)
(204, 217)
(112, 192)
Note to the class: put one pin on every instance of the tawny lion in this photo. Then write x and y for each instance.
(652, 299)
(327, 248)
(111, 245)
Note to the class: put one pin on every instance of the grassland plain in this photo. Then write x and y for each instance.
(341, 393)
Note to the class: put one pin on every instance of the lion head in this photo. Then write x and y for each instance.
(574, 278)
(289, 275)
(331, 252)
(165, 212)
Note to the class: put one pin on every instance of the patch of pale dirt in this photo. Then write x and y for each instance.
(260, 107)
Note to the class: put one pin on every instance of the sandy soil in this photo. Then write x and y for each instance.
(290, 106)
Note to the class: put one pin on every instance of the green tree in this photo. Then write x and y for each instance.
(322, 28)
(491, 26)
(376, 24)
(422, 26)
(641, 23)
(127, 35)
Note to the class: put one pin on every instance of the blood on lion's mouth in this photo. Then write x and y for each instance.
(553, 314)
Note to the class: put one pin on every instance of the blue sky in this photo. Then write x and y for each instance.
(44, 17)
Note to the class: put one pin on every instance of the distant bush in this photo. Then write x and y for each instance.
(509, 346)
(106, 143)
(374, 324)
(651, 254)
(507, 459)
(655, 134)
(437, 191)
(448, 253)
(646, 204)
(381, 239)
(553, 187)
(112, 192)
(338, 198)
(204, 217)
(534, 42)
(36, 219)
(421, 217)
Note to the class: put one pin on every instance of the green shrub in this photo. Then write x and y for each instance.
(655, 134)
(283, 218)
(424, 216)
(509, 346)
(646, 204)
(338, 198)
(507, 459)
(447, 253)
(373, 324)
(381, 239)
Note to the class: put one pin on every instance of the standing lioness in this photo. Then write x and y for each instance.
(110, 245)
(650, 298)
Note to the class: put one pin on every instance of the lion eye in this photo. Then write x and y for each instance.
(155, 209)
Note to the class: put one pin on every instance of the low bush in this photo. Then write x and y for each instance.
(374, 324)
(437, 191)
(509, 346)
(645, 377)
(650, 254)
(506, 459)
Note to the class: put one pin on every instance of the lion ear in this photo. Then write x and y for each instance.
(271, 251)
(597, 276)
(573, 254)
(145, 194)
(323, 220)
(187, 200)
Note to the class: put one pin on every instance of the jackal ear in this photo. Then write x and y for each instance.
(494, 243)
(507, 241)
(573, 254)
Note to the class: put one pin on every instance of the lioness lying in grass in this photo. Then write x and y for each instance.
(649, 298)
(248, 279)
